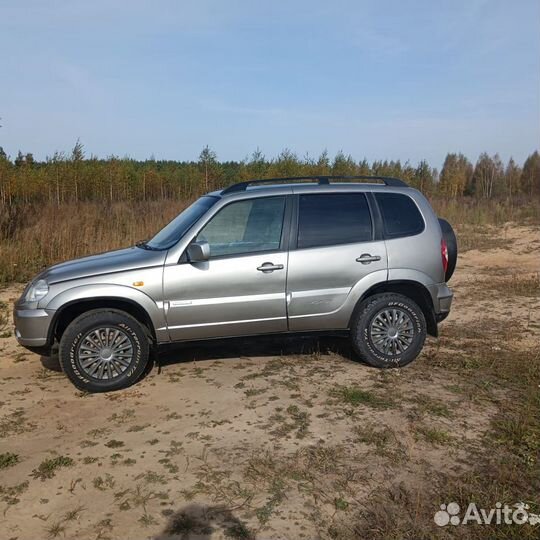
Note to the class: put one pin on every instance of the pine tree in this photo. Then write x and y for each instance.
(77, 157)
(364, 168)
(19, 160)
(208, 165)
(456, 175)
(424, 177)
(257, 165)
(323, 163)
(29, 159)
(530, 177)
(343, 165)
(287, 164)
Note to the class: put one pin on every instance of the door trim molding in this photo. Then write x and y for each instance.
(226, 300)
(222, 323)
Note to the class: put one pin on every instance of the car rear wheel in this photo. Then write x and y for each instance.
(104, 350)
(388, 330)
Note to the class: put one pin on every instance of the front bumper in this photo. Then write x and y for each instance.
(32, 326)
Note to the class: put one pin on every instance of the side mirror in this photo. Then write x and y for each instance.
(198, 251)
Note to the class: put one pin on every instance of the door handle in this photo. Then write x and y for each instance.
(268, 267)
(366, 258)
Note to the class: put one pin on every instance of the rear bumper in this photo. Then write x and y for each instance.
(442, 296)
(32, 327)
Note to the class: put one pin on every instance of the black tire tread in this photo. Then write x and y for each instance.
(97, 315)
(362, 318)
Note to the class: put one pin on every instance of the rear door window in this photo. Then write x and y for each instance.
(328, 219)
(400, 214)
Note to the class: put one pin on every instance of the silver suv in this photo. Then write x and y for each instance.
(258, 257)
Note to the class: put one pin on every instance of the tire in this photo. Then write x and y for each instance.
(369, 324)
(120, 344)
(451, 243)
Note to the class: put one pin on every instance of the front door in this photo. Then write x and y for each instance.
(241, 289)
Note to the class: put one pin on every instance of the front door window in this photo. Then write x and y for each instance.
(243, 227)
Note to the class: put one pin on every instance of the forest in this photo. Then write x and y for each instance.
(73, 177)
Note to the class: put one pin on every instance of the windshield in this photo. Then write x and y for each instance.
(171, 233)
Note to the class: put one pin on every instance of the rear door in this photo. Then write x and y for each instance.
(333, 249)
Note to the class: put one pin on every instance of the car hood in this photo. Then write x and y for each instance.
(119, 260)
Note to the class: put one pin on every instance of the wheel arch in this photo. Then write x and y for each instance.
(412, 289)
(69, 311)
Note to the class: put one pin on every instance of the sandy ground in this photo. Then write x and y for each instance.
(252, 437)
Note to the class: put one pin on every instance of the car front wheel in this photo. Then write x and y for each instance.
(388, 330)
(104, 350)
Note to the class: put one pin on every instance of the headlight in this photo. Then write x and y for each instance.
(37, 290)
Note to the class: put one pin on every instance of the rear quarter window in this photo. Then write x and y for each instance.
(400, 215)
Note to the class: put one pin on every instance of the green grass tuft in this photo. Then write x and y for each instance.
(8, 459)
(352, 395)
(48, 468)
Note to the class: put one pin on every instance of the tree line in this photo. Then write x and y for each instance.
(73, 177)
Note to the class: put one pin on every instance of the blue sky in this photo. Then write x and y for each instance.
(376, 79)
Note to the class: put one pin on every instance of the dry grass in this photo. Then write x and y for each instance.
(481, 238)
(41, 235)
(38, 235)
(516, 285)
(480, 212)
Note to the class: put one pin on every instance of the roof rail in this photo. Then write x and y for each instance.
(321, 180)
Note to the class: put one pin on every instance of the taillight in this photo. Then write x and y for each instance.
(444, 255)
